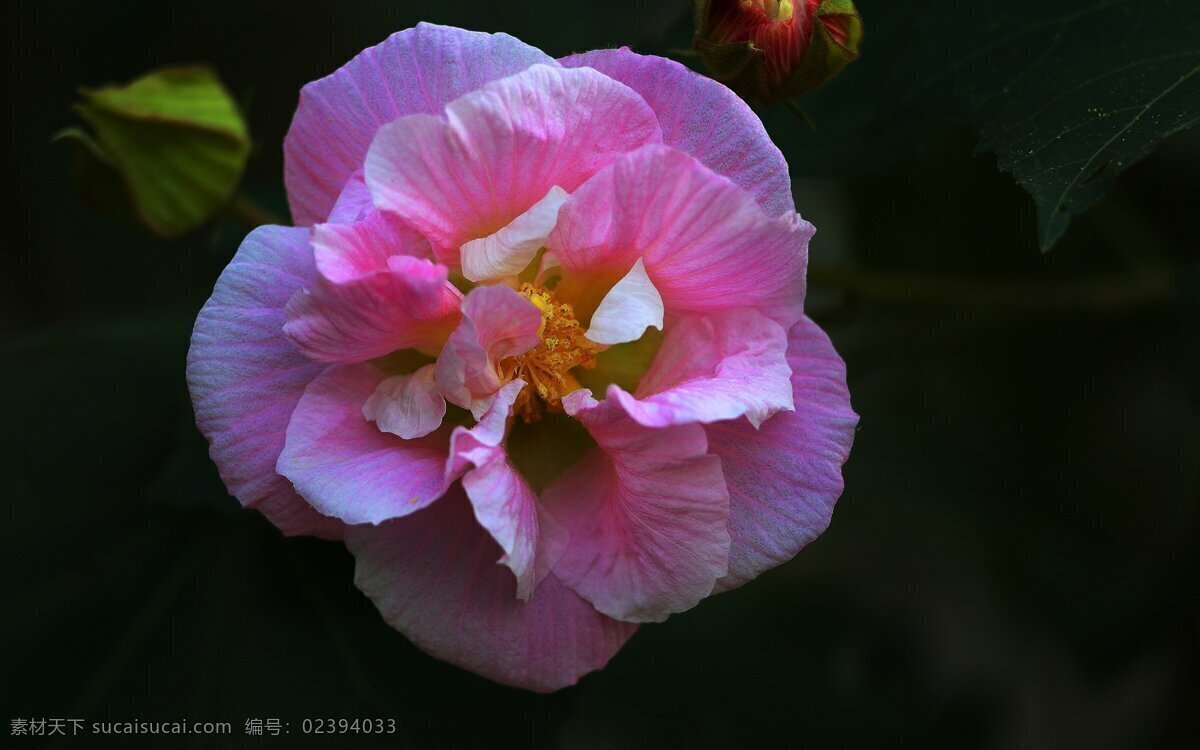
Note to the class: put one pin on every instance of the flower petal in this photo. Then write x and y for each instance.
(370, 298)
(245, 377)
(408, 406)
(417, 70)
(346, 466)
(501, 149)
(712, 368)
(510, 250)
(785, 478)
(497, 322)
(433, 576)
(646, 515)
(706, 244)
(703, 118)
(629, 308)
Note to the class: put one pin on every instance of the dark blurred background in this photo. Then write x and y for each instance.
(1013, 564)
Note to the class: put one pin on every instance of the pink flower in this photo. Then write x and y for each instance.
(455, 360)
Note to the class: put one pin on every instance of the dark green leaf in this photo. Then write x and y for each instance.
(1067, 94)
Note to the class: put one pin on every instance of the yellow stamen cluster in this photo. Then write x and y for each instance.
(547, 367)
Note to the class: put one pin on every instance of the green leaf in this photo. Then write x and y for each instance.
(1067, 94)
(173, 137)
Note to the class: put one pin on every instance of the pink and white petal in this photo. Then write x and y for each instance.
(501, 149)
(547, 268)
(646, 514)
(408, 406)
(508, 251)
(785, 478)
(497, 322)
(503, 501)
(408, 305)
(703, 118)
(347, 467)
(705, 242)
(629, 308)
(350, 251)
(506, 506)
(246, 378)
(712, 368)
(418, 70)
(433, 576)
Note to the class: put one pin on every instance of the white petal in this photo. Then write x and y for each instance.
(508, 251)
(408, 406)
(629, 308)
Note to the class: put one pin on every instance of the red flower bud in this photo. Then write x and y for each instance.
(776, 49)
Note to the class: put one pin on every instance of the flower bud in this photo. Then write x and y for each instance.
(769, 50)
(166, 151)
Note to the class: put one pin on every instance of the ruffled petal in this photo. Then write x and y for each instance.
(785, 477)
(414, 71)
(705, 242)
(646, 514)
(629, 308)
(246, 378)
(506, 506)
(703, 118)
(714, 367)
(510, 250)
(501, 149)
(347, 467)
(354, 203)
(433, 576)
(497, 322)
(353, 250)
(469, 443)
(373, 295)
(408, 406)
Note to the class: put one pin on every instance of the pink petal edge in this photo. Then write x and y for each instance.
(785, 478)
(434, 578)
(418, 70)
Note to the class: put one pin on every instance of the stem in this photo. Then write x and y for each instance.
(1096, 293)
(799, 113)
(243, 208)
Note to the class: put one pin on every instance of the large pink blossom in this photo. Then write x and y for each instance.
(536, 349)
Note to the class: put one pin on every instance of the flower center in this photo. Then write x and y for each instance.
(547, 367)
